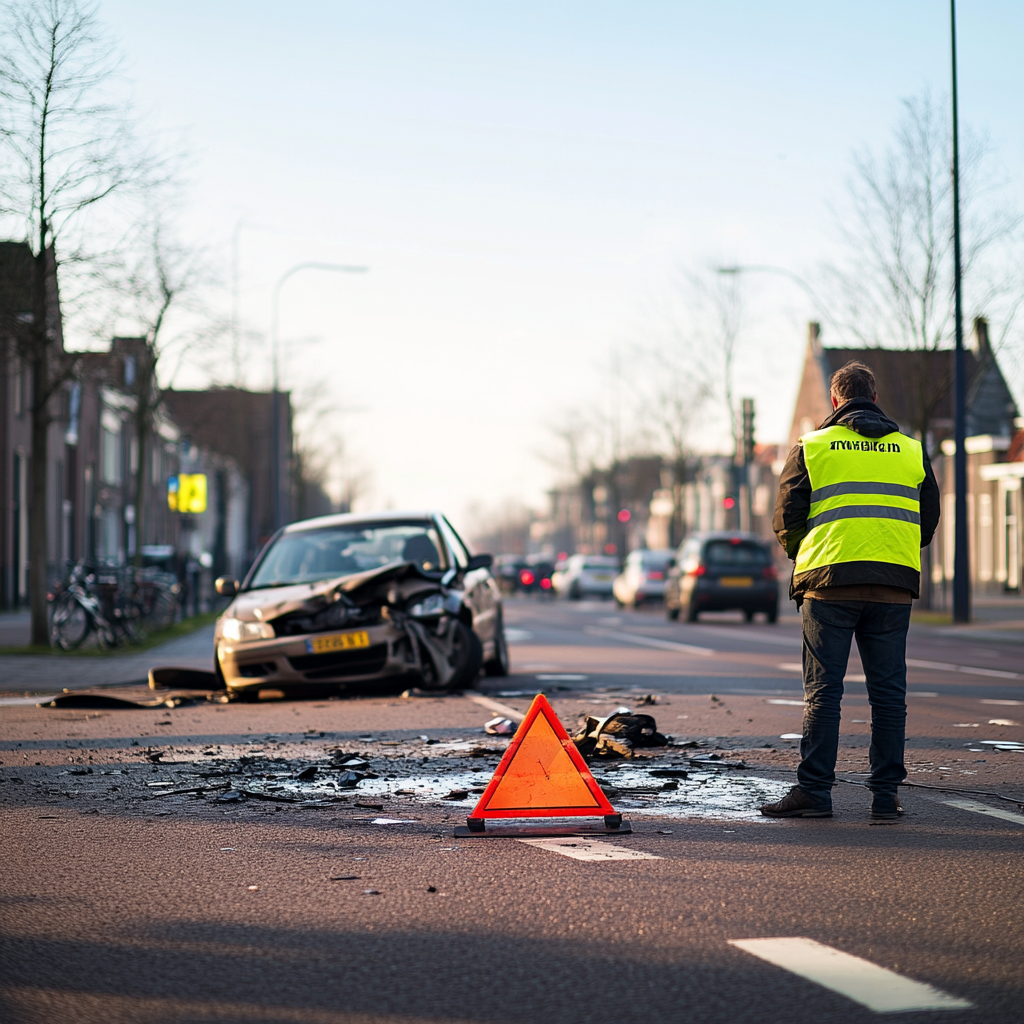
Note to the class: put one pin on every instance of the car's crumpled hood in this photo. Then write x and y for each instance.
(272, 602)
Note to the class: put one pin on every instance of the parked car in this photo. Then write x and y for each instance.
(586, 576)
(722, 571)
(357, 599)
(642, 577)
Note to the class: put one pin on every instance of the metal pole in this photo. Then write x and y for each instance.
(961, 564)
(275, 398)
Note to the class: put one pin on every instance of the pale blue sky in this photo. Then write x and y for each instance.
(524, 179)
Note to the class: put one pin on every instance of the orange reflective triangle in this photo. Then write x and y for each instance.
(542, 774)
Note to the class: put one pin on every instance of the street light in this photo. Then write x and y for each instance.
(795, 278)
(275, 401)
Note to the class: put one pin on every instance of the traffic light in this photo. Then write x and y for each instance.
(748, 431)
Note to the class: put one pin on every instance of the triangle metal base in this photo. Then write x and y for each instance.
(495, 828)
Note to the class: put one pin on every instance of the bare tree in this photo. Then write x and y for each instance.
(157, 283)
(895, 287)
(63, 146)
(322, 453)
(671, 391)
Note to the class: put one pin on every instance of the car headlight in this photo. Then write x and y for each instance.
(432, 605)
(236, 629)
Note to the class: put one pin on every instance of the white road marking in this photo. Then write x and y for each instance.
(791, 666)
(791, 736)
(562, 677)
(650, 641)
(518, 636)
(942, 666)
(980, 808)
(866, 983)
(793, 703)
(496, 706)
(751, 636)
(1002, 721)
(589, 849)
(1013, 702)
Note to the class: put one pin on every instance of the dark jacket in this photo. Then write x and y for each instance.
(794, 502)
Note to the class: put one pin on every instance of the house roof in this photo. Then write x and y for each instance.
(915, 382)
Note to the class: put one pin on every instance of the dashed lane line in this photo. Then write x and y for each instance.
(650, 641)
(875, 987)
(942, 666)
(496, 706)
(980, 808)
(589, 849)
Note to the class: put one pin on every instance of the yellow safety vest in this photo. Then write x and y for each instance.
(865, 499)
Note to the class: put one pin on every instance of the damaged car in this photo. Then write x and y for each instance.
(343, 601)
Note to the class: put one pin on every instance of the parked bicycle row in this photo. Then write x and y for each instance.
(117, 604)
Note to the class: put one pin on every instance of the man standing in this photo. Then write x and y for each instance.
(857, 502)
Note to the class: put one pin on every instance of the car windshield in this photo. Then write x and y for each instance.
(735, 553)
(307, 556)
(600, 563)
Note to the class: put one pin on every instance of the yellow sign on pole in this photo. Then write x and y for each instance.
(186, 492)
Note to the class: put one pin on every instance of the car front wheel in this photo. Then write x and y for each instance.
(500, 664)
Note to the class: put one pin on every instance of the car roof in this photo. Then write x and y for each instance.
(357, 518)
(724, 535)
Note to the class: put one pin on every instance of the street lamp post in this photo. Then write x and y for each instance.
(961, 565)
(275, 400)
(760, 268)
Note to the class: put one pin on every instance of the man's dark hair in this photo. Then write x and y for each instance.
(854, 380)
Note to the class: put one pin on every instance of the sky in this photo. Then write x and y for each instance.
(524, 182)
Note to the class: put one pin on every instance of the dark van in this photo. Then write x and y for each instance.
(722, 571)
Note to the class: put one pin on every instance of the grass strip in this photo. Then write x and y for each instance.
(179, 629)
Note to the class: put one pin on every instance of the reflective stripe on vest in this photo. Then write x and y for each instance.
(865, 499)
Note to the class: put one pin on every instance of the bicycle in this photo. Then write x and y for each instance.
(78, 611)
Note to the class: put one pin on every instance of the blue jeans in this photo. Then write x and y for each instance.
(881, 631)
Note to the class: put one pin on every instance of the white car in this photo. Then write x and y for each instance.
(642, 577)
(586, 576)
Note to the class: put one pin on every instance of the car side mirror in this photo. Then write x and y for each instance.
(480, 562)
(226, 586)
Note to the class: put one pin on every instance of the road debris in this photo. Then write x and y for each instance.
(616, 735)
(171, 678)
(499, 727)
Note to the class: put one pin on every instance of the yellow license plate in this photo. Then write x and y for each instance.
(337, 642)
(736, 581)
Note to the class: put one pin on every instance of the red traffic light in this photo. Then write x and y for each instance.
(728, 503)
(624, 516)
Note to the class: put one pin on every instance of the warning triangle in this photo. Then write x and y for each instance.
(542, 774)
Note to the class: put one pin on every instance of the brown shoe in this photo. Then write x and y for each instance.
(796, 804)
(886, 808)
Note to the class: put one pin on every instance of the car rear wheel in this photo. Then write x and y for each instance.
(748, 614)
(773, 614)
(672, 614)
(692, 612)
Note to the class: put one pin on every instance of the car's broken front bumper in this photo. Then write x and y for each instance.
(292, 662)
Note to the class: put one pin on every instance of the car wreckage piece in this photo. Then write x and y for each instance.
(395, 621)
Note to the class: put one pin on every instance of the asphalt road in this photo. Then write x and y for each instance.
(121, 903)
